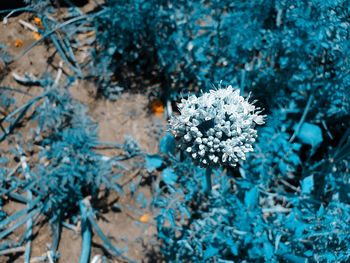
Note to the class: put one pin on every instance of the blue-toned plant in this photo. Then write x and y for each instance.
(245, 220)
(274, 157)
(215, 130)
(123, 48)
(5, 60)
(69, 171)
(4, 56)
(281, 204)
(220, 228)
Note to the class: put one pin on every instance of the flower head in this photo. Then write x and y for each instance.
(216, 128)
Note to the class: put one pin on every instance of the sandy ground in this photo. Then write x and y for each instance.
(129, 115)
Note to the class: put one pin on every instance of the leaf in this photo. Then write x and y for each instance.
(320, 211)
(283, 167)
(210, 252)
(294, 158)
(251, 197)
(308, 253)
(169, 176)
(170, 216)
(307, 185)
(268, 249)
(296, 146)
(153, 162)
(167, 144)
(310, 134)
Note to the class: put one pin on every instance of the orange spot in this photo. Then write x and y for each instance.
(37, 36)
(8, 44)
(18, 43)
(91, 33)
(38, 21)
(145, 218)
(157, 107)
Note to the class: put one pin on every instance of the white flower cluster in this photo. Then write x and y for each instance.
(216, 128)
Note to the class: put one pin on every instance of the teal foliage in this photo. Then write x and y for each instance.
(277, 47)
(6, 100)
(153, 162)
(167, 144)
(281, 203)
(310, 134)
(67, 171)
(287, 202)
(242, 220)
(4, 56)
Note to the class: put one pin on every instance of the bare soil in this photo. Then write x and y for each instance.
(129, 115)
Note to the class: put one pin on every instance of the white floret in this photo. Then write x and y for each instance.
(217, 128)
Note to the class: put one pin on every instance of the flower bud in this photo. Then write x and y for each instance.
(222, 124)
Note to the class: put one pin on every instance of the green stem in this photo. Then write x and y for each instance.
(86, 234)
(208, 177)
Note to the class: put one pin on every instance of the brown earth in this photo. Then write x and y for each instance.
(129, 115)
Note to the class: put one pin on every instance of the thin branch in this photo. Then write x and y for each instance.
(303, 117)
(12, 250)
(28, 25)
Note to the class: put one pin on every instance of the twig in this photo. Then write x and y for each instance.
(12, 11)
(28, 79)
(96, 259)
(263, 191)
(277, 209)
(239, 232)
(290, 186)
(73, 6)
(29, 233)
(131, 177)
(112, 144)
(12, 172)
(49, 257)
(70, 226)
(28, 25)
(38, 259)
(12, 250)
(327, 130)
(302, 119)
(59, 74)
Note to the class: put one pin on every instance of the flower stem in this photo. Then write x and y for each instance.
(208, 177)
(86, 233)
